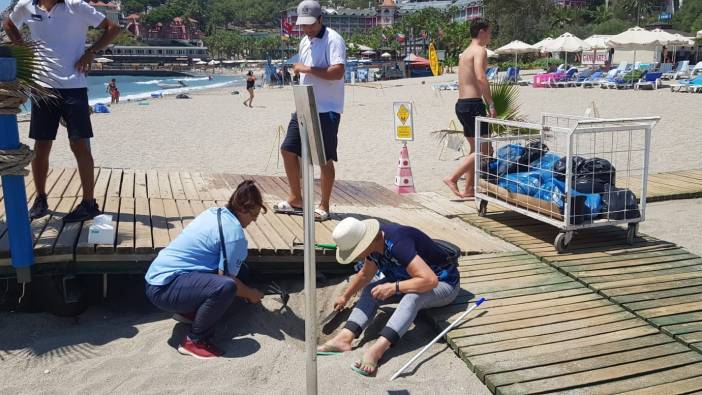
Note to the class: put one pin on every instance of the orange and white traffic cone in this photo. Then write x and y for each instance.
(403, 180)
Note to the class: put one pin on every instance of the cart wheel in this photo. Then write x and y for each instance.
(632, 233)
(562, 241)
(482, 207)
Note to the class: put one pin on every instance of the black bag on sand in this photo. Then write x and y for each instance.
(619, 203)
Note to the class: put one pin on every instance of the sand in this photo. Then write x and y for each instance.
(127, 347)
(213, 131)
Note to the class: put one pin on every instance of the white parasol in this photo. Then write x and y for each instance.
(515, 48)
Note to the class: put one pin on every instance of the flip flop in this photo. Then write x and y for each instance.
(320, 215)
(284, 207)
(331, 351)
(363, 372)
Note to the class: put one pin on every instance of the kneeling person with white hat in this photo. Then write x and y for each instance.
(418, 272)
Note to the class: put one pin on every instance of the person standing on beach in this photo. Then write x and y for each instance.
(473, 93)
(250, 83)
(113, 91)
(322, 60)
(62, 26)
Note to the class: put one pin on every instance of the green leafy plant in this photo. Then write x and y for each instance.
(505, 96)
(32, 66)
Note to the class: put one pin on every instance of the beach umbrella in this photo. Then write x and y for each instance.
(596, 42)
(491, 53)
(515, 48)
(699, 34)
(201, 62)
(213, 62)
(412, 58)
(360, 47)
(635, 39)
(385, 55)
(368, 53)
(540, 45)
(104, 60)
(566, 42)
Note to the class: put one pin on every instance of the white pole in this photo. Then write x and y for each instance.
(436, 339)
(310, 268)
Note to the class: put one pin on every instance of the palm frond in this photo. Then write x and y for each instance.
(33, 66)
(505, 96)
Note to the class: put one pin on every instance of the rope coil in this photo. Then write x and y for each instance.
(13, 162)
(11, 98)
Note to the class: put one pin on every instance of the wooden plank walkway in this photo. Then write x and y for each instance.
(542, 331)
(654, 279)
(150, 208)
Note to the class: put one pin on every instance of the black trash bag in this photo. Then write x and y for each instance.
(559, 168)
(597, 171)
(578, 210)
(619, 203)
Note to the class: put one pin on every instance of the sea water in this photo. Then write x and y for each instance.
(139, 87)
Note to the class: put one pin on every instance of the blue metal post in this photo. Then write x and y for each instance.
(15, 194)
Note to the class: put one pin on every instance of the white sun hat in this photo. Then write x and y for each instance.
(352, 237)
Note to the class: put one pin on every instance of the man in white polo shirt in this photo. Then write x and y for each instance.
(322, 59)
(61, 27)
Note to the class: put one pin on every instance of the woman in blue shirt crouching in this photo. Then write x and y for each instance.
(195, 277)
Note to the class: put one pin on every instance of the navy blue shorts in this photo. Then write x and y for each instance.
(71, 105)
(330, 128)
(466, 111)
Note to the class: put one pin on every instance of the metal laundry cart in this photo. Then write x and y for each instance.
(595, 169)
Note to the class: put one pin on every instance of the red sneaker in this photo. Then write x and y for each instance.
(184, 318)
(200, 350)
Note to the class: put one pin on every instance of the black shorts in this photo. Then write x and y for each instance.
(329, 121)
(466, 111)
(71, 105)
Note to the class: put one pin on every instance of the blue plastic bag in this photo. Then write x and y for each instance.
(528, 183)
(546, 162)
(101, 108)
(553, 190)
(507, 155)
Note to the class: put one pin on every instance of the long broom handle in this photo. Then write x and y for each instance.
(439, 336)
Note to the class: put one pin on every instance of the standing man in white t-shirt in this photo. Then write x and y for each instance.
(322, 59)
(61, 27)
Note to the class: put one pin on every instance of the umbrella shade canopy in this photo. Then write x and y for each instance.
(597, 42)
(360, 47)
(665, 38)
(385, 55)
(201, 62)
(491, 53)
(679, 39)
(213, 62)
(368, 53)
(516, 47)
(104, 60)
(412, 58)
(699, 34)
(540, 45)
(566, 42)
(634, 39)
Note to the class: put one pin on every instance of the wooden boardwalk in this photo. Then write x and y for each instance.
(657, 280)
(150, 208)
(541, 331)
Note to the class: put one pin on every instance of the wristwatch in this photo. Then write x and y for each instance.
(397, 287)
(491, 105)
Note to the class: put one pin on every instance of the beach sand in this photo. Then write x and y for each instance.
(128, 347)
(213, 131)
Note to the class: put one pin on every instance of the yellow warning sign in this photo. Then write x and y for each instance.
(404, 121)
(433, 60)
(403, 114)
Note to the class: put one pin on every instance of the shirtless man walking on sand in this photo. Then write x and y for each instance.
(473, 94)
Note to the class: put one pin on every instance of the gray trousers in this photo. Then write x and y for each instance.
(405, 313)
